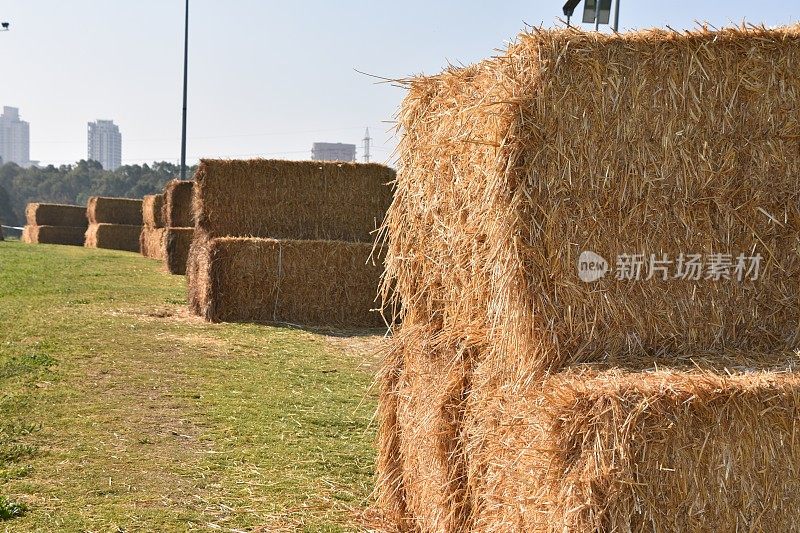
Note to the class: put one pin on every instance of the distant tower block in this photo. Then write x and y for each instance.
(367, 140)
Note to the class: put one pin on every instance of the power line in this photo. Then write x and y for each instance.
(240, 135)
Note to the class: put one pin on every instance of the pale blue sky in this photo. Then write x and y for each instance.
(266, 78)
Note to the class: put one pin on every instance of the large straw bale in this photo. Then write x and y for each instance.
(177, 242)
(152, 205)
(640, 451)
(291, 199)
(151, 242)
(53, 235)
(422, 467)
(177, 209)
(40, 214)
(646, 142)
(114, 236)
(322, 283)
(123, 211)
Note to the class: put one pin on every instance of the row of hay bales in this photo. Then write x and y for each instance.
(112, 223)
(287, 241)
(516, 396)
(168, 225)
(260, 240)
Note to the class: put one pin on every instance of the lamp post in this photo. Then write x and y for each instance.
(594, 11)
(185, 79)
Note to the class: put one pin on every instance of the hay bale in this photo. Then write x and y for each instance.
(53, 235)
(39, 214)
(510, 168)
(177, 209)
(151, 242)
(291, 199)
(421, 464)
(177, 242)
(320, 283)
(122, 211)
(641, 451)
(113, 236)
(152, 205)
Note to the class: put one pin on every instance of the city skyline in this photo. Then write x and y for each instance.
(255, 88)
(104, 144)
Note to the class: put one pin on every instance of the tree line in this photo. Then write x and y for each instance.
(74, 184)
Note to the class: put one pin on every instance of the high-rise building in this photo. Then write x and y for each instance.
(105, 144)
(15, 138)
(333, 152)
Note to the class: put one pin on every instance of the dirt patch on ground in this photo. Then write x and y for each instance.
(368, 349)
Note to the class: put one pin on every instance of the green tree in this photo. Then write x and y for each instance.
(74, 184)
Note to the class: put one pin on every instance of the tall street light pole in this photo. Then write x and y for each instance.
(185, 79)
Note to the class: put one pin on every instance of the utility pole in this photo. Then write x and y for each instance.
(185, 80)
(367, 140)
(595, 11)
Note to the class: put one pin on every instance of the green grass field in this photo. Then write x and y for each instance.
(119, 411)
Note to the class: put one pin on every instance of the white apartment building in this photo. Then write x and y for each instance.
(15, 138)
(105, 144)
(333, 152)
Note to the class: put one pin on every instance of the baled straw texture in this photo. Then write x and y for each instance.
(291, 199)
(66, 235)
(311, 283)
(40, 214)
(152, 205)
(177, 242)
(646, 142)
(124, 211)
(642, 451)
(649, 142)
(151, 242)
(421, 464)
(113, 236)
(177, 209)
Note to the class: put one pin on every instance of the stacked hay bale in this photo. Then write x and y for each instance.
(151, 238)
(179, 225)
(114, 223)
(287, 241)
(54, 224)
(518, 396)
